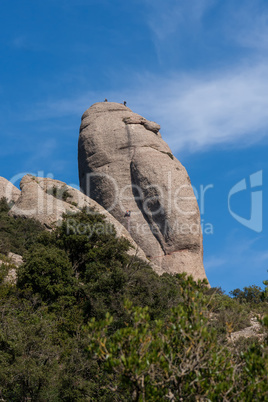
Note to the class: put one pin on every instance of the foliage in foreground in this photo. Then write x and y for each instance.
(177, 358)
(68, 332)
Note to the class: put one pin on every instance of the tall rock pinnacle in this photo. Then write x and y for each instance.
(125, 165)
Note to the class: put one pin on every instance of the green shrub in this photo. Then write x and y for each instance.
(48, 273)
(61, 193)
(16, 234)
(250, 294)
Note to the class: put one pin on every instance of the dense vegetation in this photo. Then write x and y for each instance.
(16, 234)
(87, 322)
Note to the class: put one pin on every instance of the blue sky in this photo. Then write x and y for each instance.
(199, 68)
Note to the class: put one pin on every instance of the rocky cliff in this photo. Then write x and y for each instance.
(125, 165)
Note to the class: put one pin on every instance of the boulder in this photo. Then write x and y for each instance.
(15, 259)
(47, 200)
(12, 262)
(125, 165)
(8, 190)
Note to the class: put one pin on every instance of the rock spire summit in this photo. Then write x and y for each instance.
(125, 165)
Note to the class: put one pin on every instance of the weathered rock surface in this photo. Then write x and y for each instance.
(38, 199)
(15, 259)
(12, 262)
(253, 331)
(8, 190)
(124, 164)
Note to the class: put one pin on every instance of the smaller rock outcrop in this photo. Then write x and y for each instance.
(253, 331)
(8, 190)
(15, 259)
(46, 200)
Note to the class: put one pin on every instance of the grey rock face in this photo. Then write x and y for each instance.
(124, 164)
(8, 190)
(46, 200)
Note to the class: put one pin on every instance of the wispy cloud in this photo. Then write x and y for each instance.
(227, 107)
(197, 109)
(167, 18)
(213, 262)
(242, 23)
(171, 22)
(196, 112)
(217, 105)
(248, 24)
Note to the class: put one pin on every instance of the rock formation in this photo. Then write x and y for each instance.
(12, 262)
(124, 164)
(8, 190)
(255, 330)
(46, 200)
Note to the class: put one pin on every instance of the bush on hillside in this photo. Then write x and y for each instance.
(16, 234)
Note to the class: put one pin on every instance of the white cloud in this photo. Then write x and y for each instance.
(227, 107)
(196, 112)
(244, 23)
(221, 105)
(197, 109)
(247, 24)
(169, 20)
(166, 17)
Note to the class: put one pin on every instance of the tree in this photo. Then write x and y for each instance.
(48, 273)
(250, 294)
(16, 235)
